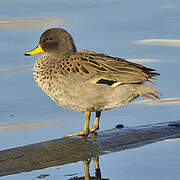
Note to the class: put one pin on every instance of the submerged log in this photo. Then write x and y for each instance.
(68, 150)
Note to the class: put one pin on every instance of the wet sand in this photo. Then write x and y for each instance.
(160, 102)
(66, 150)
(31, 23)
(162, 42)
(25, 125)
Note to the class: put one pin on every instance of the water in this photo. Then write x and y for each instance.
(111, 27)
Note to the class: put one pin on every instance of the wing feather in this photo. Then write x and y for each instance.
(116, 68)
(96, 65)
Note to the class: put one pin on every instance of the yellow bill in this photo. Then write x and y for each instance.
(37, 50)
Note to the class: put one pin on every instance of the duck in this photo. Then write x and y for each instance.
(88, 81)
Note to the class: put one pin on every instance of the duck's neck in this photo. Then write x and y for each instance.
(59, 55)
(62, 51)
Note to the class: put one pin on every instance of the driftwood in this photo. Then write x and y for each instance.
(68, 150)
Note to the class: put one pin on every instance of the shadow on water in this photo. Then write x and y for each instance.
(69, 150)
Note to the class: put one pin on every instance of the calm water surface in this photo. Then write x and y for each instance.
(112, 27)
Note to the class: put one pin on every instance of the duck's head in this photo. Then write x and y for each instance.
(54, 41)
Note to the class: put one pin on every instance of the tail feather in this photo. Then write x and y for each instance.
(148, 92)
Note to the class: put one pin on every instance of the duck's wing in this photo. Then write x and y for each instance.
(100, 66)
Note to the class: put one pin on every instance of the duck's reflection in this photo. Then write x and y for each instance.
(87, 176)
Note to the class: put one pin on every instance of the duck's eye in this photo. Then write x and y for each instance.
(48, 40)
(44, 40)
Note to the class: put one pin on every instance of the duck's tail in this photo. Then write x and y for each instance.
(148, 92)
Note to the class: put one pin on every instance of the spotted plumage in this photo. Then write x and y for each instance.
(85, 80)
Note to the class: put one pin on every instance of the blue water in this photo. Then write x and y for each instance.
(110, 27)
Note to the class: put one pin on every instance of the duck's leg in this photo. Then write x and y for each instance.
(96, 122)
(86, 124)
(86, 127)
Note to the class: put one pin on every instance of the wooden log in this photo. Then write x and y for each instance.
(68, 150)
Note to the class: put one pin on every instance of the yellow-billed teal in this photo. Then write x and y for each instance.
(87, 81)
